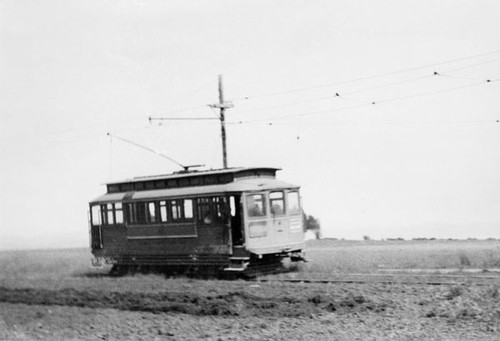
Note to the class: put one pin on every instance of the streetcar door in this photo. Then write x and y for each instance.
(278, 212)
(237, 232)
(95, 227)
(213, 225)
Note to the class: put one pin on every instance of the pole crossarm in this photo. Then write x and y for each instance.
(181, 118)
(225, 105)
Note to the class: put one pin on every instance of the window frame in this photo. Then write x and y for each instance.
(263, 208)
(121, 214)
(164, 216)
(107, 213)
(299, 208)
(166, 212)
(212, 210)
(95, 213)
(273, 201)
(152, 216)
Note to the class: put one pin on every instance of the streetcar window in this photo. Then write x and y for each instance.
(109, 210)
(195, 181)
(212, 210)
(140, 212)
(232, 206)
(96, 215)
(118, 213)
(175, 206)
(126, 187)
(151, 212)
(113, 188)
(204, 214)
(210, 180)
(131, 214)
(104, 216)
(163, 211)
(188, 209)
(154, 212)
(224, 179)
(219, 209)
(160, 184)
(256, 205)
(277, 203)
(293, 203)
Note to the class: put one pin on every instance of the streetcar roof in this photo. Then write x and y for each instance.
(238, 185)
(196, 173)
(190, 179)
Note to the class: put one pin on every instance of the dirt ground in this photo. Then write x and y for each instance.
(186, 309)
(53, 295)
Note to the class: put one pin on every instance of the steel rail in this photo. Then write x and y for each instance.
(389, 279)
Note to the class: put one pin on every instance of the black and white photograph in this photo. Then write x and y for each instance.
(250, 170)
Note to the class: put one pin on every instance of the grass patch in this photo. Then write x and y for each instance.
(336, 256)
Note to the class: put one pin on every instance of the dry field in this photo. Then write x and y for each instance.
(54, 295)
(335, 256)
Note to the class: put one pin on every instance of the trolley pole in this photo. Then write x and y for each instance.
(222, 106)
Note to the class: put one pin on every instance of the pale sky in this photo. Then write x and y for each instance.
(423, 161)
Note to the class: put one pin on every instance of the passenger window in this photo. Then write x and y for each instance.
(219, 209)
(204, 214)
(140, 212)
(256, 205)
(188, 209)
(293, 203)
(96, 215)
(130, 213)
(152, 212)
(110, 214)
(175, 206)
(118, 213)
(232, 206)
(163, 211)
(277, 203)
(212, 210)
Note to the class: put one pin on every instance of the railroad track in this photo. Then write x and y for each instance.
(423, 279)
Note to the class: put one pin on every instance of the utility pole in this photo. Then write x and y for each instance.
(222, 106)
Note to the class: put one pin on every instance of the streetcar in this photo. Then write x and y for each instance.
(231, 220)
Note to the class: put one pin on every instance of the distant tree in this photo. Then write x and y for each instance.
(312, 224)
(366, 237)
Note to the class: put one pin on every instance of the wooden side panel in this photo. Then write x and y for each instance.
(151, 245)
(114, 239)
(161, 231)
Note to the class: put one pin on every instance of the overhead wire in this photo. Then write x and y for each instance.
(473, 65)
(337, 95)
(344, 122)
(427, 93)
(365, 77)
(464, 78)
(336, 83)
(342, 95)
(368, 103)
(322, 98)
(300, 114)
(188, 109)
